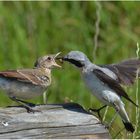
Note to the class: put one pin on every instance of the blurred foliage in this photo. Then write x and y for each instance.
(32, 29)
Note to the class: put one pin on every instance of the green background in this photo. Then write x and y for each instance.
(29, 30)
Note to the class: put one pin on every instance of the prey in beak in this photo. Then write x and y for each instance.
(59, 58)
(76, 62)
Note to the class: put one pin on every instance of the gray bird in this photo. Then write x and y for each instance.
(23, 84)
(105, 81)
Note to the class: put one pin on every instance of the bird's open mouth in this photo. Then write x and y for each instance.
(56, 55)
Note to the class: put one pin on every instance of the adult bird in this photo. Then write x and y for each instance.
(23, 84)
(105, 81)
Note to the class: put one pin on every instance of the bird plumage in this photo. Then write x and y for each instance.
(125, 71)
(28, 83)
(105, 81)
(40, 77)
(113, 84)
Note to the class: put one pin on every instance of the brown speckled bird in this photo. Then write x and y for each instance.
(23, 84)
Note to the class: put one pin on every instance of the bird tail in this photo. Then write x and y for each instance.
(128, 126)
(125, 119)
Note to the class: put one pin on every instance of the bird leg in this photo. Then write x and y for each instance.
(26, 105)
(98, 111)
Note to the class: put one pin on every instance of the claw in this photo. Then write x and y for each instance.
(30, 110)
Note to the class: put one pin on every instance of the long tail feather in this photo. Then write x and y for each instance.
(129, 126)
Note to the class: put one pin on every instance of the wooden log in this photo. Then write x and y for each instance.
(55, 121)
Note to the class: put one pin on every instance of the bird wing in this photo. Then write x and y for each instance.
(112, 84)
(28, 76)
(125, 71)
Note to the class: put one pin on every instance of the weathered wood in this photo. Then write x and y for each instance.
(55, 121)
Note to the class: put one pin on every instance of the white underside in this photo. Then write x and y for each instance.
(105, 94)
(100, 90)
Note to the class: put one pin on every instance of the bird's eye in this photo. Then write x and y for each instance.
(49, 58)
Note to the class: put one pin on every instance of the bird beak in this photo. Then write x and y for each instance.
(56, 65)
(62, 58)
(55, 57)
(71, 60)
(65, 58)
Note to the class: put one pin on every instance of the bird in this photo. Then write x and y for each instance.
(24, 84)
(105, 81)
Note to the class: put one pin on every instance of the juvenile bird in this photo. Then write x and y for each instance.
(23, 84)
(105, 81)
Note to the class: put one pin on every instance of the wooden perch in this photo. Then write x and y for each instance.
(55, 121)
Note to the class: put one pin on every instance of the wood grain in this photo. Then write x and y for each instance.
(55, 121)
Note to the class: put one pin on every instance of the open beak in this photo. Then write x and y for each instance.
(55, 57)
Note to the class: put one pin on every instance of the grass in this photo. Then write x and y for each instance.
(32, 29)
(137, 96)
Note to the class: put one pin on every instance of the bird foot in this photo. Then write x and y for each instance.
(30, 110)
(107, 126)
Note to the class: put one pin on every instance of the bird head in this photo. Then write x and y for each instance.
(76, 58)
(47, 61)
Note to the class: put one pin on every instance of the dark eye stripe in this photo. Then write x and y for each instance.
(76, 63)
